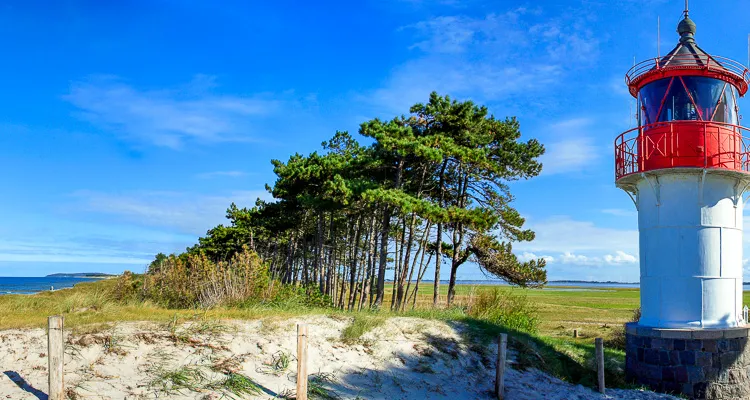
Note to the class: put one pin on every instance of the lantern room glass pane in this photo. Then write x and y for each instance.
(726, 109)
(651, 96)
(689, 98)
(677, 104)
(706, 92)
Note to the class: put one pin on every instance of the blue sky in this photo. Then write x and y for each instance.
(127, 128)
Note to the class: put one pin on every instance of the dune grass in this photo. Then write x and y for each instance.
(361, 324)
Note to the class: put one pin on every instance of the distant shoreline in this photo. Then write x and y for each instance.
(89, 275)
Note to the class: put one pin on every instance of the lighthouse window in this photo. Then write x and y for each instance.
(690, 98)
(678, 106)
(651, 97)
(726, 108)
(707, 94)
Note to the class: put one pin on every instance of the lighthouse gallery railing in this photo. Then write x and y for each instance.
(711, 64)
(632, 152)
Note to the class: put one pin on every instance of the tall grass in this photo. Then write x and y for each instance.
(506, 308)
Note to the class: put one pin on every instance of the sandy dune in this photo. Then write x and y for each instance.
(405, 359)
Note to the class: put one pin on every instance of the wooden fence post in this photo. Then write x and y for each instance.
(55, 351)
(575, 333)
(301, 362)
(502, 345)
(600, 363)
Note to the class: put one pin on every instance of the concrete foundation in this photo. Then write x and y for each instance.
(698, 363)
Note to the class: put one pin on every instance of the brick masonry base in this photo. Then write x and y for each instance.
(701, 364)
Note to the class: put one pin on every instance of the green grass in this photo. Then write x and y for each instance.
(239, 385)
(361, 324)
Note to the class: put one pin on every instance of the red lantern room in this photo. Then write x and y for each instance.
(688, 113)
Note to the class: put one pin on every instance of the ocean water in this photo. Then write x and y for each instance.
(34, 285)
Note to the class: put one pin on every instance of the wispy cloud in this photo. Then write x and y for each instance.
(68, 252)
(488, 58)
(170, 117)
(187, 212)
(572, 149)
(221, 174)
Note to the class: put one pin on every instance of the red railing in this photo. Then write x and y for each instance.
(715, 64)
(637, 150)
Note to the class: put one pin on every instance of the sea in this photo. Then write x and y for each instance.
(31, 285)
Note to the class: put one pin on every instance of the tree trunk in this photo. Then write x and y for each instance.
(419, 279)
(386, 226)
(439, 238)
(355, 258)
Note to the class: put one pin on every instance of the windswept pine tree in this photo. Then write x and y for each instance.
(428, 189)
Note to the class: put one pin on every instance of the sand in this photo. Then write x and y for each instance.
(404, 359)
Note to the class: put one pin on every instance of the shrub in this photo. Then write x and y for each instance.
(506, 308)
(128, 287)
(192, 280)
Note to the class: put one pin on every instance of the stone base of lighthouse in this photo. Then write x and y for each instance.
(698, 363)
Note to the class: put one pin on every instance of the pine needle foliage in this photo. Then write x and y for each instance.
(428, 188)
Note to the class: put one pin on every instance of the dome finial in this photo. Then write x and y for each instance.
(686, 27)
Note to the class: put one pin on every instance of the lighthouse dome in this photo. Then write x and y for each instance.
(686, 28)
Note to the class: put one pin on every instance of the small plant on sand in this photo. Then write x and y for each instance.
(316, 388)
(188, 377)
(113, 344)
(237, 384)
(360, 325)
(279, 364)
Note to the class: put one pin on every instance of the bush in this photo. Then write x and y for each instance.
(128, 287)
(503, 307)
(192, 280)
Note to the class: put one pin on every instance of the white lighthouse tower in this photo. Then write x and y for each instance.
(686, 167)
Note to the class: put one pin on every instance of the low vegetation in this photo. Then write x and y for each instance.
(361, 324)
(540, 322)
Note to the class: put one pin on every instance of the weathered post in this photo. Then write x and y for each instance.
(502, 345)
(55, 350)
(600, 363)
(301, 362)
(575, 333)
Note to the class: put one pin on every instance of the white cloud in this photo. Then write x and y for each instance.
(568, 155)
(578, 259)
(620, 257)
(526, 256)
(563, 241)
(569, 258)
(170, 117)
(572, 150)
(487, 58)
(187, 212)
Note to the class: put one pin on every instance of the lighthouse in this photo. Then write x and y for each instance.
(686, 167)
